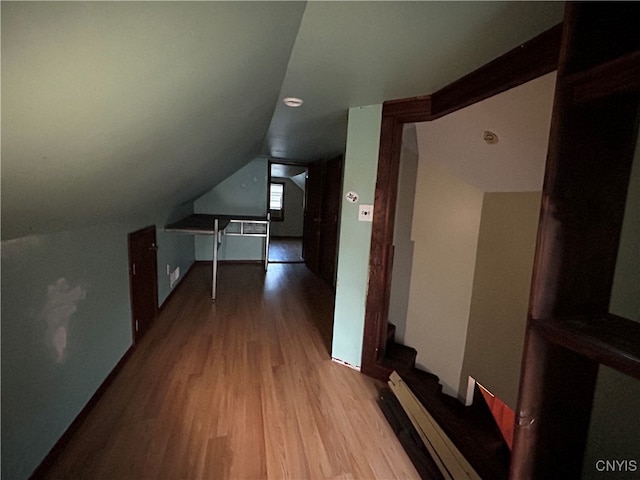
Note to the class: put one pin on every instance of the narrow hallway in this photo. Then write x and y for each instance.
(242, 388)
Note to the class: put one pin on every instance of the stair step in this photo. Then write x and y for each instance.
(421, 382)
(475, 434)
(399, 356)
(408, 436)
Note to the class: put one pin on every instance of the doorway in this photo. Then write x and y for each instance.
(287, 196)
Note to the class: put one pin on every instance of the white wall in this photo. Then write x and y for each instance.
(402, 241)
(446, 222)
(500, 298)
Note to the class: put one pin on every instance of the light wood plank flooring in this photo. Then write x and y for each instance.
(243, 388)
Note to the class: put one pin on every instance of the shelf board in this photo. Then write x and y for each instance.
(619, 76)
(608, 339)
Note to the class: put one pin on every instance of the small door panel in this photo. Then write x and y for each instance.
(143, 280)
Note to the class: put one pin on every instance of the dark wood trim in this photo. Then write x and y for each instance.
(608, 339)
(54, 453)
(520, 65)
(566, 392)
(408, 110)
(622, 74)
(380, 258)
(530, 60)
(569, 330)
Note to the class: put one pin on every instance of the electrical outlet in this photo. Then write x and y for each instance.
(173, 277)
(168, 269)
(365, 213)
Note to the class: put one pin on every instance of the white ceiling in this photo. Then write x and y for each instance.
(520, 117)
(114, 109)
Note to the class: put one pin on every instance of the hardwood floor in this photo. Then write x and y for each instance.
(243, 388)
(285, 250)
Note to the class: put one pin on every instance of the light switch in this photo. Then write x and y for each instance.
(365, 213)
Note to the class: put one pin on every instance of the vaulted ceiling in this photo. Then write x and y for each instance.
(114, 109)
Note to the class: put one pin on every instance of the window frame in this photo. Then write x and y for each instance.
(276, 215)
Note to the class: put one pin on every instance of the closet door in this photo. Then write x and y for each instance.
(332, 194)
(313, 217)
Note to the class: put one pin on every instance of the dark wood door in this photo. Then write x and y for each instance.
(332, 193)
(143, 279)
(322, 210)
(313, 217)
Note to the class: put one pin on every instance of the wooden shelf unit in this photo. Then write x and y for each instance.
(570, 331)
(608, 339)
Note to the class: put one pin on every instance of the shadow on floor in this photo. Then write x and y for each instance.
(285, 250)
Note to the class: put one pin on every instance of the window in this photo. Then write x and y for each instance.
(276, 200)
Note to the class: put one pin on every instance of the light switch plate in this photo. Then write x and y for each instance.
(365, 213)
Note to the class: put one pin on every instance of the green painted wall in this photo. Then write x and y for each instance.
(615, 420)
(242, 193)
(360, 172)
(66, 322)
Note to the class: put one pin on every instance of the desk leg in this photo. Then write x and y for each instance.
(266, 246)
(214, 276)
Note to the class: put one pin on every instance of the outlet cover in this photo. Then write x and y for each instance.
(365, 213)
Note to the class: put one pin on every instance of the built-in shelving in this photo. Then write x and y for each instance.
(611, 340)
(618, 76)
(570, 331)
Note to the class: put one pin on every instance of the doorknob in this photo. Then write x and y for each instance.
(153, 246)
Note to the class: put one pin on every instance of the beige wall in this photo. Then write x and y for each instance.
(500, 297)
(446, 222)
(402, 242)
(456, 170)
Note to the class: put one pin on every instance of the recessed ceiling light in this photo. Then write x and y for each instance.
(490, 137)
(293, 102)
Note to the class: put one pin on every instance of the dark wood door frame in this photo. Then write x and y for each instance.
(526, 62)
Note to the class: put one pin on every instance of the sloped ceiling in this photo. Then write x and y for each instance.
(111, 109)
(349, 54)
(520, 117)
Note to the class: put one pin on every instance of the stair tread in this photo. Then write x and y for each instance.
(477, 437)
(398, 356)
